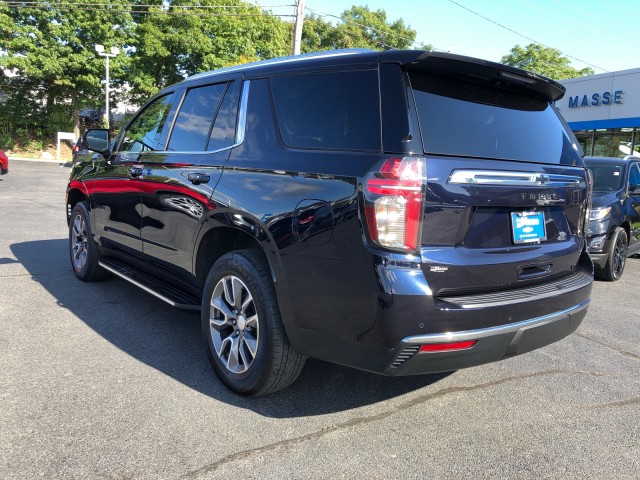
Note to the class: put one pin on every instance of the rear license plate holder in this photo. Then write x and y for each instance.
(528, 227)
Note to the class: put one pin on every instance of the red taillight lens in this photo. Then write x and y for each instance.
(395, 203)
(447, 347)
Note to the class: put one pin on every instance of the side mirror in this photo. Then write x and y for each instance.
(96, 140)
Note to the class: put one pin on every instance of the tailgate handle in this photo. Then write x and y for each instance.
(533, 271)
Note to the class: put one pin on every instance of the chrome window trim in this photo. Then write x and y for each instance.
(242, 113)
(514, 179)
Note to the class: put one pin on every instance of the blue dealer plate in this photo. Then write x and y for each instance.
(528, 227)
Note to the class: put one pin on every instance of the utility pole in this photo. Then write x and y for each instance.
(102, 53)
(297, 33)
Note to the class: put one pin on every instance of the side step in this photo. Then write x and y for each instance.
(173, 296)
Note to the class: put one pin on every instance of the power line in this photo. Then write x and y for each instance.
(116, 8)
(133, 5)
(524, 36)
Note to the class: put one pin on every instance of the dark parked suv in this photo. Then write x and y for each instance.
(401, 212)
(614, 227)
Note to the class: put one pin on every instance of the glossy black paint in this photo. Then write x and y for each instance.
(625, 209)
(466, 228)
(116, 204)
(342, 298)
(174, 207)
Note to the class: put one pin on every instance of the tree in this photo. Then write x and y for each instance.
(51, 49)
(191, 36)
(543, 61)
(317, 34)
(359, 27)
(49, 68)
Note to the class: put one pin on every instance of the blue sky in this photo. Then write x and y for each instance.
(603, 34)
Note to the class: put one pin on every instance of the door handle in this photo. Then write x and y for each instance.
(135, 172)
(197, 178)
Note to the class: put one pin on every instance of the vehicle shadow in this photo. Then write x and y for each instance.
(171, 342)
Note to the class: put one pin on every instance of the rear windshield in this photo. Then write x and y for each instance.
(606, 178)
(463, 118)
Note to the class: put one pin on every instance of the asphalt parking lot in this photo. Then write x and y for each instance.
(104, 381)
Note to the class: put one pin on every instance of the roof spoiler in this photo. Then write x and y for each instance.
(469, 68)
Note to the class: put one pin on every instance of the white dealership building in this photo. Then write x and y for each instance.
(604, 112)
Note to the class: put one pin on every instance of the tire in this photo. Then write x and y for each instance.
(244, 336)
(616, 257)
(83, 251)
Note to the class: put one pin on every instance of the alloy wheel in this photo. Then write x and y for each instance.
(79, 242)
(619, 256)
(234, 324)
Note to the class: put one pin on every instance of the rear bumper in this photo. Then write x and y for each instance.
(502, 324)
(493, 344)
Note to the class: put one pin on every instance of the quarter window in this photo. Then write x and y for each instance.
(338, 110)
(143, 133)
(224, 129)
(634, 176)
(194, 121)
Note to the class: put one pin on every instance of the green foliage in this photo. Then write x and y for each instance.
(543, 61)
(6, 141)
(49, 69)
(359, 28)
(185, 41)
(50, 50)
(35, 145)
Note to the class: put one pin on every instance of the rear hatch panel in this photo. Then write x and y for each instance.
(467, 229)
(506, 189)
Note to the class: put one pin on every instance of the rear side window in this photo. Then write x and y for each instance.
(338, 110)
(463, 118)
(194, 121)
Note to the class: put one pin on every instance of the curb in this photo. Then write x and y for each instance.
(62, 163)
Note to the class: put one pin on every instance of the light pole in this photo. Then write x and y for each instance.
(297, 31)
(102, 53)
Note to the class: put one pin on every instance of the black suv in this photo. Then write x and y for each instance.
(614, 226)
(400, 212)
(91, 117)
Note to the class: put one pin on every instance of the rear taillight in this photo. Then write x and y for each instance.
(394, 202)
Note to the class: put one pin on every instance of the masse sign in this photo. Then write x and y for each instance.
(596, 99)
